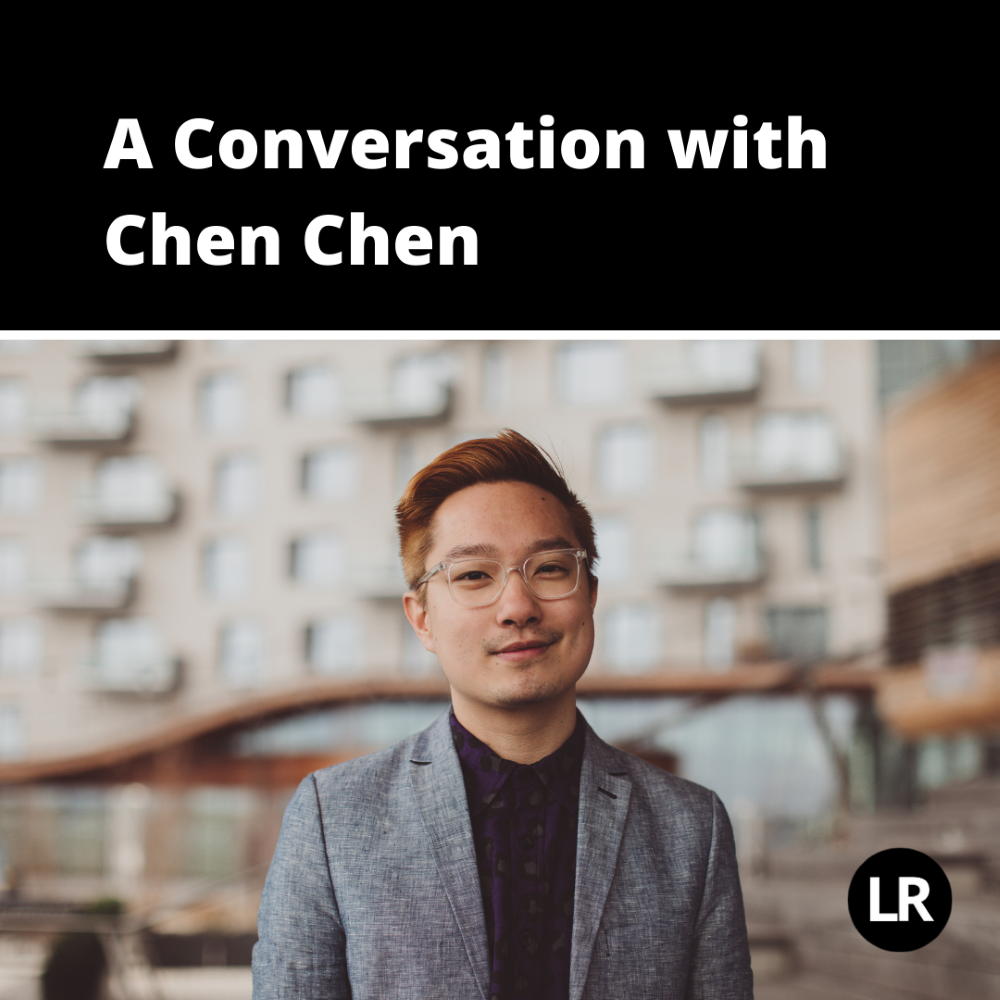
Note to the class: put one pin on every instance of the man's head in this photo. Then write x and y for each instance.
(499, 499)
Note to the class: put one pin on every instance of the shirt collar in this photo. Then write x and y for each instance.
(485, 772)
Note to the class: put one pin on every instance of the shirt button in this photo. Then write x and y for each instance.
(527, 842)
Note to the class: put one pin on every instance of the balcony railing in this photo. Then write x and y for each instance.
(79, 595)
(385, 410)
(139, 674)
(70, 425)
(801, 474)
(687, 572)
(128, 350)
(686, 383)
(148, 509)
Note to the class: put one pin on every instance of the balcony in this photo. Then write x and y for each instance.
(122, 510)
(128, 350)
(688, 572)
(708, 372)
(724, 552)
(79, 596)
(758, 477)
(140, 674)
(73, 426)
(793, 451)
(392, 410)
(417, 392)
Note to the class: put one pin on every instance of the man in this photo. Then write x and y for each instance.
(505, 851)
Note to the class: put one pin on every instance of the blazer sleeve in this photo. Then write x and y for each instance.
(301, 949)
(720, 953)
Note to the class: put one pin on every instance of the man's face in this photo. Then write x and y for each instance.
(519, 650)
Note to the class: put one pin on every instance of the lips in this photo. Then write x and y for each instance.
(522, 652)
(517, 647)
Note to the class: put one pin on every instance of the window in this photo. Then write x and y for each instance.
(221, 402)
(720, 633)
(417, 661)
(625, 459)
(334, 646)
(320, 559)
(106, 399)
(20, 646)
(241, 655)
(808, 364)
(725, 540)
(714, 452)
(130, 654)
(420, 381)
(590, 373)
(332, 473)
(314, 391)
(130, 482)
(20, 485)
(632, 638)
(497, 378)
(217, 834)
(724, 361)
(13, 405)
(226, 566)
(795, 442)
(814, 537)
(13, 565)
(13, 744)
(237, 485)
(614, 546)
(798, 633)
(107, 563)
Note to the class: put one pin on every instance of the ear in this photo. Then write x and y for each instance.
(593, 592)
(417, 617)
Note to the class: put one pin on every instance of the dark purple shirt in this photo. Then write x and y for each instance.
(524, 829)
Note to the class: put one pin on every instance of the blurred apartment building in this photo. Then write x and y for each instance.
(195, 531)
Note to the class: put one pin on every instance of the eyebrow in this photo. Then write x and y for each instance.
(486, 551)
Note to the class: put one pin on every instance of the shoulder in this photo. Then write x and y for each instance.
(653, 789)
(661, 784)
(367, 773)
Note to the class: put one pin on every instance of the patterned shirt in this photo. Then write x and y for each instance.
(524, 828)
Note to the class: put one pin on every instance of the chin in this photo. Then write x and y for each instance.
(530, 692)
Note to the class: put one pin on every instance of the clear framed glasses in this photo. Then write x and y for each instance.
(477, 582)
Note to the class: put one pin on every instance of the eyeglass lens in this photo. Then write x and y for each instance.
(549, 575)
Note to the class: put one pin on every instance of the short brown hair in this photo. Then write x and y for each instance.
(507, 458)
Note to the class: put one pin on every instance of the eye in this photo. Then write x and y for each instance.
(472, 576)
(551, 567)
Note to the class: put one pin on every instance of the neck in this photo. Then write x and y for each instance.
(522, 733)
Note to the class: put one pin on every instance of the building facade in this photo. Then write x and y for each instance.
(197, 530)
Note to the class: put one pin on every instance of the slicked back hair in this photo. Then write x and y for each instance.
(507, 458)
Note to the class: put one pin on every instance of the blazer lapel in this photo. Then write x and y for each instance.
(436, 779)
(604, 798)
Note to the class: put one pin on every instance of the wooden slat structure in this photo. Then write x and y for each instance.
(942, 509)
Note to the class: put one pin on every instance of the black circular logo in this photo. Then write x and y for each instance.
(899, 899)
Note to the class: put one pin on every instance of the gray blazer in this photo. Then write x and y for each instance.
(373, 892)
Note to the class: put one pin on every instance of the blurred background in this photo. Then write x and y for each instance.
(200, 604)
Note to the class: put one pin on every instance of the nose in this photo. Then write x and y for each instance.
(517, 605)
